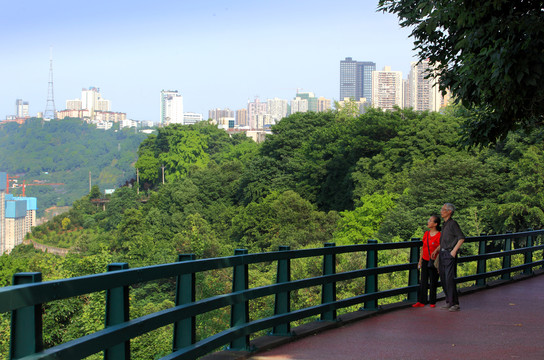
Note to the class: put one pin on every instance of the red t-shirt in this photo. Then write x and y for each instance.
(433, 241)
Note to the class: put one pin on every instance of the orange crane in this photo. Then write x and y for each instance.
(8, 180)
(38, 184)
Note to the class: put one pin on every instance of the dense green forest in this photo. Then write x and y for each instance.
(320, 177)
(65, 151)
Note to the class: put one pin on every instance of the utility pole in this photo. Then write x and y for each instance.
(90, 182)
(162, 174)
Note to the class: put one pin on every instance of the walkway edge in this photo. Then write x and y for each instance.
(268, 342)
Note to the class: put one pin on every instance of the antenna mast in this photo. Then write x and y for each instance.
(50, 112)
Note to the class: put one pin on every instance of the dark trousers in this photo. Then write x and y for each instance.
(428, 283)
(448, 269)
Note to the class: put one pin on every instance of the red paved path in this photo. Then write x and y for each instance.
(506, 322)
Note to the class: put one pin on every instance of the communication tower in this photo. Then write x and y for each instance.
(50, 112)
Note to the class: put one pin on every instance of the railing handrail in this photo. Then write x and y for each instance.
(14, 297)
(21, 298)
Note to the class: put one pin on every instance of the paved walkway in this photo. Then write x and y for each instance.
(505, 322)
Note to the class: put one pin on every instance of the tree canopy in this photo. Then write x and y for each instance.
(490, 54)
(65, 151)
(320, 177)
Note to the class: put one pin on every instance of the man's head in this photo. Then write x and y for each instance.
(447, 211)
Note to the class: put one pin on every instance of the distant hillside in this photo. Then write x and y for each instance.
(65, 151)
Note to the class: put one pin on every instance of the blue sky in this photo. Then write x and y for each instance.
(217, 54)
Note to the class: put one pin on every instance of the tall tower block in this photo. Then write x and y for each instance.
(3, 187)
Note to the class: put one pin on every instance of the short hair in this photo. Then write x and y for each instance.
(436, 220)
(450, 207)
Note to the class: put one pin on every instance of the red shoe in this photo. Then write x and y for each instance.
(418, 304)
(433, 305)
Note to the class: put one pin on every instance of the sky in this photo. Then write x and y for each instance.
(217, 54)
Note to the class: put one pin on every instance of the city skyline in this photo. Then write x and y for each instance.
(217, 54)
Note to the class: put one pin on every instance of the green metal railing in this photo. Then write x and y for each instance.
(25, 298)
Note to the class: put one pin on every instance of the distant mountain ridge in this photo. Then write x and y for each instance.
(66, 151)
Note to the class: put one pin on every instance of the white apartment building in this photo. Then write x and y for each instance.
(190, 118)
(263, 121)
(299, 105)
(104, 125)
(387, 89)
(21, 109)
(253, 109)
(278, 109)
(128, 123)
(171, 108)
(424, 93)
(91, 100)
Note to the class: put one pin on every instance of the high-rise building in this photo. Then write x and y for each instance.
(216, 114)
(253, 109)
(424, 93)
(348, 78)
(263, 121)
(312, 100)
(406, 93)
(323, 104)
(3, 188)
(387, 89)
(21, 109)
(17, 217)
(241, 117)
(299, 105)
(356, 78)
(14, 223)
(278, 109)
(171, 108)
(364, 78)
(91, 100)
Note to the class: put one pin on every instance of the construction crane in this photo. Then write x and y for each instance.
(38, 184)
(8, 180)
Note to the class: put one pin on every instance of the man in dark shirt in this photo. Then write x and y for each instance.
(451, 239)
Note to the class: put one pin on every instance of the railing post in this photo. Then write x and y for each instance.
(282, 304)
(26, 323)
(529, 254)
(185, 330)
(371, 281)
(328, 292)
(481, 268)
(240, 311)
(413, 273)
(507, 259)
(117, 312)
